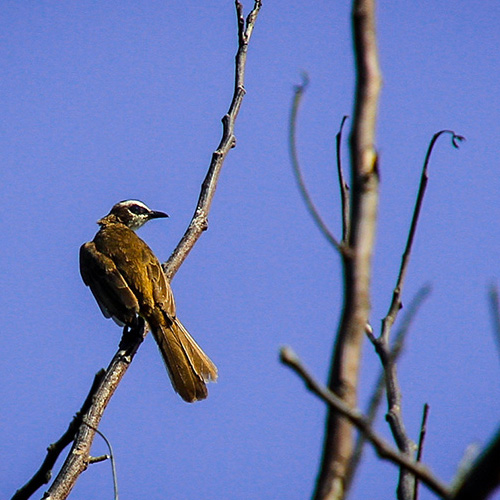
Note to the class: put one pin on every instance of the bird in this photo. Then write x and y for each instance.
(128, 283)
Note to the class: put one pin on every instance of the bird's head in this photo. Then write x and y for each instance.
(131, 213)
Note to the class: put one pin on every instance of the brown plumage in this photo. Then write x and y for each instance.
(127, 280)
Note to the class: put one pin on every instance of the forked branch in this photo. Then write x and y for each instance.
(394, 416)
(378, 391)
(44, 474)
(356, 418)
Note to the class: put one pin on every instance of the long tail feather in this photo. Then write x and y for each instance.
(188, 366)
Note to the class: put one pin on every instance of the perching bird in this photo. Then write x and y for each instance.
(127, 281)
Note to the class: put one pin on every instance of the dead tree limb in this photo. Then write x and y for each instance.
(356, 418)
(394, 416)
(356, 256)
(378, 391)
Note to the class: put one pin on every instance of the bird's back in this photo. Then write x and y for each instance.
(138, 265)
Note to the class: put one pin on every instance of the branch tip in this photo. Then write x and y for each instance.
(292, 144)
(342, 123)
(288, 356)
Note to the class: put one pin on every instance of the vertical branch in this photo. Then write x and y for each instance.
(394, 417)
(344, 373)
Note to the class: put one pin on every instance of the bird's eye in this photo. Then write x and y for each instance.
(137, 210)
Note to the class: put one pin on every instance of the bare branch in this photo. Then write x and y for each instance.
(292, 141)
(355, 417)
(78, 458)
(199, 222)
(44, 473)
(394, 416)
(398, 289)
(344, 187)
(378, 391)
(356, 257)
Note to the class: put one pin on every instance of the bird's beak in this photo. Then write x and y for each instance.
(157, 215)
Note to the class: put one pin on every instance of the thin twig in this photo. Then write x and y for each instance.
(495, 313)
(379, 387)
(423, 431)
(398, 289)
(355, 417)
(199, 222)
(420, 450)
(98, 459)
(395, 418)
(44, 473)
(292, 142)
(356, 257)
(344, 187)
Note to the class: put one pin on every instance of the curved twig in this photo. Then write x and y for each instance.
(111, 457)
(292, 142)
(396, 296)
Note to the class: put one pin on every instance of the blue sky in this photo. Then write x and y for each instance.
(107, 101)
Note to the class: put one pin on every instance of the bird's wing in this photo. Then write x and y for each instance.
(111, 291)
(162, 293)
